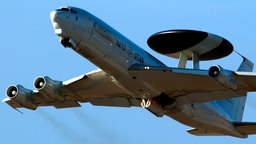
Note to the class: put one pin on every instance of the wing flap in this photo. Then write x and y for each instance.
(120, 102)
(66, 104)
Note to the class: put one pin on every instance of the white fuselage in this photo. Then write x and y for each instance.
(114, 54)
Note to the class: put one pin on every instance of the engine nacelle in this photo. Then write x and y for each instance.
(224, 77)
(49, 88)
(21, 95)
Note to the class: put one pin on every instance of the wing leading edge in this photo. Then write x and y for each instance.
(96, 87)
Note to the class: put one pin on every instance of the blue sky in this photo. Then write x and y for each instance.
(29, 48)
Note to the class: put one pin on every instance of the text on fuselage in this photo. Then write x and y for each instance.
(129, 52)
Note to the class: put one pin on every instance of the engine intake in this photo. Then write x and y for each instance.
(214, 71)
(223, 76)
(12, 92)
(21, 95)
(49, 88)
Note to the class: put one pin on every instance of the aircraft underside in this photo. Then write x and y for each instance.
(211, 101)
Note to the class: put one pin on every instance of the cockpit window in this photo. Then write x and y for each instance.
(67, 9)
(73, 11)
(64, 9)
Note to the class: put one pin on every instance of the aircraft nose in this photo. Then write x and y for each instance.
(53, 16)
(56, 20)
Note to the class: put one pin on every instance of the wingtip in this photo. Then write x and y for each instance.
(6, 99)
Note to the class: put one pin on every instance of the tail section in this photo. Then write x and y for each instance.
(235, 106)
(246, 65)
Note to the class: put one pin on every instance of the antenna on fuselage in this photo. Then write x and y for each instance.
(190, 45)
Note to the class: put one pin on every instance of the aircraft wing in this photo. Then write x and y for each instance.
(193, 85)
(96, 87)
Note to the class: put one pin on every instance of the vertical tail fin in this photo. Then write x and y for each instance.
(246, 65)
(235, 106)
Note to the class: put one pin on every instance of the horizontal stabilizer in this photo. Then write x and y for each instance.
(246, 128)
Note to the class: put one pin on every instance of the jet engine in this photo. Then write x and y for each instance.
(224, 77)
(49, 88)
(21, 96)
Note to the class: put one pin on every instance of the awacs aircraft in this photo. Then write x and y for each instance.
(211, 101)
